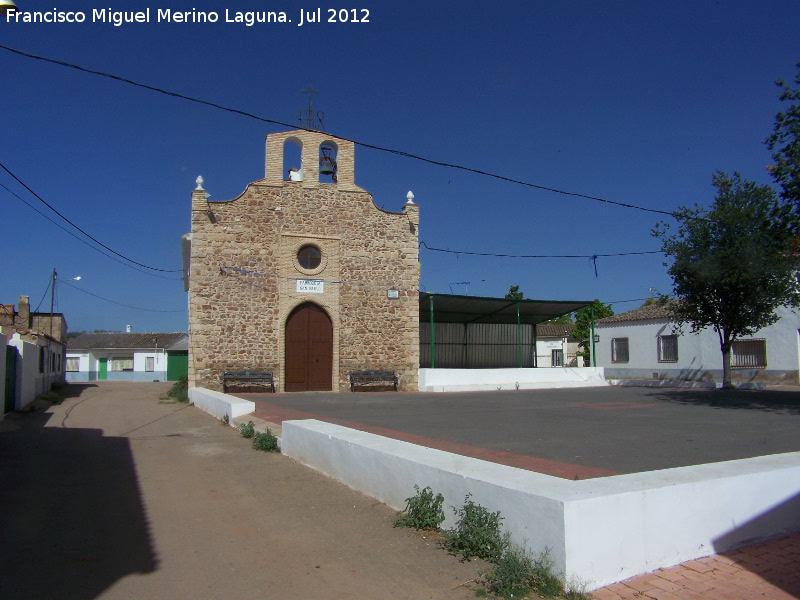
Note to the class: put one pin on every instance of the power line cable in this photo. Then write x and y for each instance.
(74, 287)
(47, 289)
(81, 240)
(95, 240)
(493, 254)
(362, 144)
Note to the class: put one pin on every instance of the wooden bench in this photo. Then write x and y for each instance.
(369, 378)
(248, 379)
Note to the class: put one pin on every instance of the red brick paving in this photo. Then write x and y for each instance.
(766, 571)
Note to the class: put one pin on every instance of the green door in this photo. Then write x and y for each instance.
(177, 365)
(103, 373)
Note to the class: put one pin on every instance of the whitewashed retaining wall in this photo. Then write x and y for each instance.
(598, 531)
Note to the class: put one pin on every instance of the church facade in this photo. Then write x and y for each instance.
(303, 275)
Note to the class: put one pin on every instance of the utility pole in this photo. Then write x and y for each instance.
(52, 299)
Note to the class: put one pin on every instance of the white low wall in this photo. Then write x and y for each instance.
(598, 531)
(463, 380)
(219, 404)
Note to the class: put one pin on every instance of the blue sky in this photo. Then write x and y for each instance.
(638, 103)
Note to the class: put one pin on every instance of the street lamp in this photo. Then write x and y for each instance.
(53, 286)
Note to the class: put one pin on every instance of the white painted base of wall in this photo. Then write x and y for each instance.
(598, 531)
(218, 404)
(465, 380)
(673, 383)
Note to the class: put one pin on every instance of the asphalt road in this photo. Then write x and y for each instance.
(615, 429)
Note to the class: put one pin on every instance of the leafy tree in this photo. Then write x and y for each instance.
(562, 320)
(583, 327)
(514, 293)
(732, 265)
(784, 143)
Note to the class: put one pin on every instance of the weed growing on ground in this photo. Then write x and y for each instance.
(423, 510)
(247, 430)
(266, 442)
(515, 572)
(226, 420)
(180, 389)
(477, 533)
(518, 573)
(511, 576)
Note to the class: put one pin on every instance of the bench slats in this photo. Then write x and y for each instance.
(254, 378)
(372, 377)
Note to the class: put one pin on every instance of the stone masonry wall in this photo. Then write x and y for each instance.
(244, 271)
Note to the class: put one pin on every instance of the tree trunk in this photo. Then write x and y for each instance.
(726, 364)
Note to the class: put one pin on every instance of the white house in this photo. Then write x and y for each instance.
(645, 344)
(117, 356)
(33, 348)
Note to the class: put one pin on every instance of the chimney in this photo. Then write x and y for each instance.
(127, 328)
(24, 313)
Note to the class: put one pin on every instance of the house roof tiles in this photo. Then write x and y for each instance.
(648, 312)
(121, 340)
(557, 331)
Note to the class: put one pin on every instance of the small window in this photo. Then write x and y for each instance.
(309, 257)
(668, 348)
(557, 358)
(749, 354)
(73, 364)
(149, 364)
(619, 350)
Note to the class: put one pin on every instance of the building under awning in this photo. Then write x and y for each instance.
(469, 332)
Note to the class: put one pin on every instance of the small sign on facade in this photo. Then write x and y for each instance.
(394, 294)
(310, 286)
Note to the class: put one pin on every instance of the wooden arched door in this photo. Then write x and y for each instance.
(309, 350)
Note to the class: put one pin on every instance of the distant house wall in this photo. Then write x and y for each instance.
(89, 365)
(699, 354)
(27, 371)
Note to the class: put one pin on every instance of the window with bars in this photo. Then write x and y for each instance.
(749, 354)
(668, 348)
(149, 364)
(619, 350)
(73, 364)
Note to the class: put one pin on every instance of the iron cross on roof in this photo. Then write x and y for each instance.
(310, 117)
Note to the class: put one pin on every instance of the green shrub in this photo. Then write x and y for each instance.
(511, 576)
(248, 430)
(422, 511)
(266, 442)
(477, 532)
(180, 389)
(517, 574)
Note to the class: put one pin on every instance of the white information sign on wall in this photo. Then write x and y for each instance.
(310, 286)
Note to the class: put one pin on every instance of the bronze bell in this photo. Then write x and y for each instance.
(326, 166)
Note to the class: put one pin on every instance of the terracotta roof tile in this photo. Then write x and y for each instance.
(649, 312)
(119, 340)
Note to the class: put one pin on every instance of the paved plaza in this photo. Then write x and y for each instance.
(584, 433)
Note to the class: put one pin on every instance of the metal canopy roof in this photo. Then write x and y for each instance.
(474, 309)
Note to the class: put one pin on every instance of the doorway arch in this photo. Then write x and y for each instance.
(309, 350)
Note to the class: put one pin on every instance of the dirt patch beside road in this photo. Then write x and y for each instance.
(115, 493)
